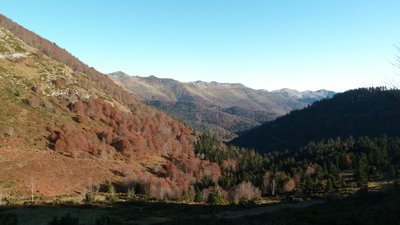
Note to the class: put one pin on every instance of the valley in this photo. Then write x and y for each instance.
(80, 147)
(221, 109)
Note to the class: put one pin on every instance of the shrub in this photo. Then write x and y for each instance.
(9, 132)
(245, 192)
(130, 193)
(16, 92)
(89, 198)
(112, 198)
(110, 188)
(56, 201)
(10, 200)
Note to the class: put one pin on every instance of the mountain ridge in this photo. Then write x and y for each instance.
(360, 112)
(200, 83)
(233, 100)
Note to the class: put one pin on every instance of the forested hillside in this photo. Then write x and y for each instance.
(318, 167)
(362, 112)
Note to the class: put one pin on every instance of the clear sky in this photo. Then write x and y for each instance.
(266, 44)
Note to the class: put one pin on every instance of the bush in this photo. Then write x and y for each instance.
(10, 200)
(130, 193)
(111, 190)
(56, 201)
(245, 192)
(89, 198)
(112, 198)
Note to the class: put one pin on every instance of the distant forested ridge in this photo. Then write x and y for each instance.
(362, 112)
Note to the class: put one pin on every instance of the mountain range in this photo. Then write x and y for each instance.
(222, 109)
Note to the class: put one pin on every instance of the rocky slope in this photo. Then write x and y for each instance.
(223, 109)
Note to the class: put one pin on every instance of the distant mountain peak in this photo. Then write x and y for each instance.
(306, 96)
(199, 83)
(205, 84)
(234, 101)
(119, 74)
(290, 93)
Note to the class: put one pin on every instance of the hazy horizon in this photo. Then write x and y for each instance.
(267, 45)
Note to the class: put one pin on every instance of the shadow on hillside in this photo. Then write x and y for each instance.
(364, 208)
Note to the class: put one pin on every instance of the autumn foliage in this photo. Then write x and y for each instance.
(126, 134)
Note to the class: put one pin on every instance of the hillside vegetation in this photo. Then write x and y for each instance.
(361, 112)
(53, 103)
(222, 109)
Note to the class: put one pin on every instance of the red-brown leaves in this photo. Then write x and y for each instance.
(136, 135)
(123, 145)
(79, 118)
(75, 141)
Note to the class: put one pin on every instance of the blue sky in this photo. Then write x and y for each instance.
(308, 44)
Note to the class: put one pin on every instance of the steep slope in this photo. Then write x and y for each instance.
(362, 112)
(223, 103)
(53, 103)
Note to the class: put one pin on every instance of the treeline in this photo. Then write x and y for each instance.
(315, 168)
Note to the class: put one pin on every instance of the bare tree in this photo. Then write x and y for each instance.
(245, 191)
(266, 186)
(273, 186)
(397, 64)
(32, 182)
(90, 187)
(395, 81)
(1, 196)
